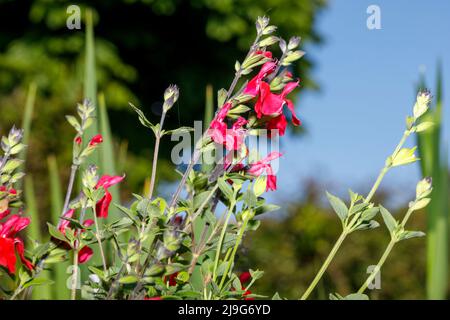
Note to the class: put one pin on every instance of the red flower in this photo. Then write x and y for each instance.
(269, 103)
(231, 138)
(78, 140)
(172, 279)
(244, 277)
(4, 213)
(9, 243)
(85, 254)
(11, 191)
(103, 205)
(152, 298)
(96, 140)
(278, 124)
(259, 167)
(64, 224)
(253, 85)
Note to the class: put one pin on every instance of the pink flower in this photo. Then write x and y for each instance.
(263, 166)
(9, 243)
(253, 85)
(153, 298)
(231, 138)
(96, 140)
(4, 213)
(85, 254)
(269, 103)
(105, 182)
(277, 123)
(64, 224)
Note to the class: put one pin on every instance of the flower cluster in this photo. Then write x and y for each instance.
(268, 92)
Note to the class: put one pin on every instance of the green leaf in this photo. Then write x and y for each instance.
(37, 282)
(356, 296)
(420, 204)
(55, 233)
(266, 208)
(259, 186)
(128, 279)
(11, 165)
(367, 225)
(369, 213)
(410, 234)
(338, 206)
(226, 189)
(179, 130)
(389, 220)
(142, 118)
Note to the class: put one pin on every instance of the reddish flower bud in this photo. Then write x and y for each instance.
(96, 140)
(78, 140)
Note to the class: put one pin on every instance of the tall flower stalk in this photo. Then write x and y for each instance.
(359, 206)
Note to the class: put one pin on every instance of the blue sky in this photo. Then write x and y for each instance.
(367, 80)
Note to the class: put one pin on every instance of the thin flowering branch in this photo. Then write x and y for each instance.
(400, 156)
(397, 231)
(262, 28)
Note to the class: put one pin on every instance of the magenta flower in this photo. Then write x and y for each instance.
(269, 103)
(231, 138)
(9, 243)
(97, 139)
(263, 166)
(105, 182)
(253, 85)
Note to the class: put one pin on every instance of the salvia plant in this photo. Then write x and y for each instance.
(184, 247)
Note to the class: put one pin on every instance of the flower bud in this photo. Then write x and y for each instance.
(90, 177)
(293, 43)
(424, 188)
(261, 24)
(292, 56)
(269, 29)
(404, 156)
(422, 103)
(14, 136)
(170, 97)
(268, 41)
(78, 140)
(97, 139)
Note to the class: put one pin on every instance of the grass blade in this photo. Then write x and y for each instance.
(434, 165)
(60, 291)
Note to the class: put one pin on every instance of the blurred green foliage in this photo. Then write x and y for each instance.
(141, 47)
(290, 249)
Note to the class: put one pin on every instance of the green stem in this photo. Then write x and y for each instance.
(16, 292)
(233, 254)
(325, 265)
(378, 266)
(73, 172)
(222, 236)
(200, 209)
(385, 254)
(155, 156)
(99, 240)
(74, 275)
